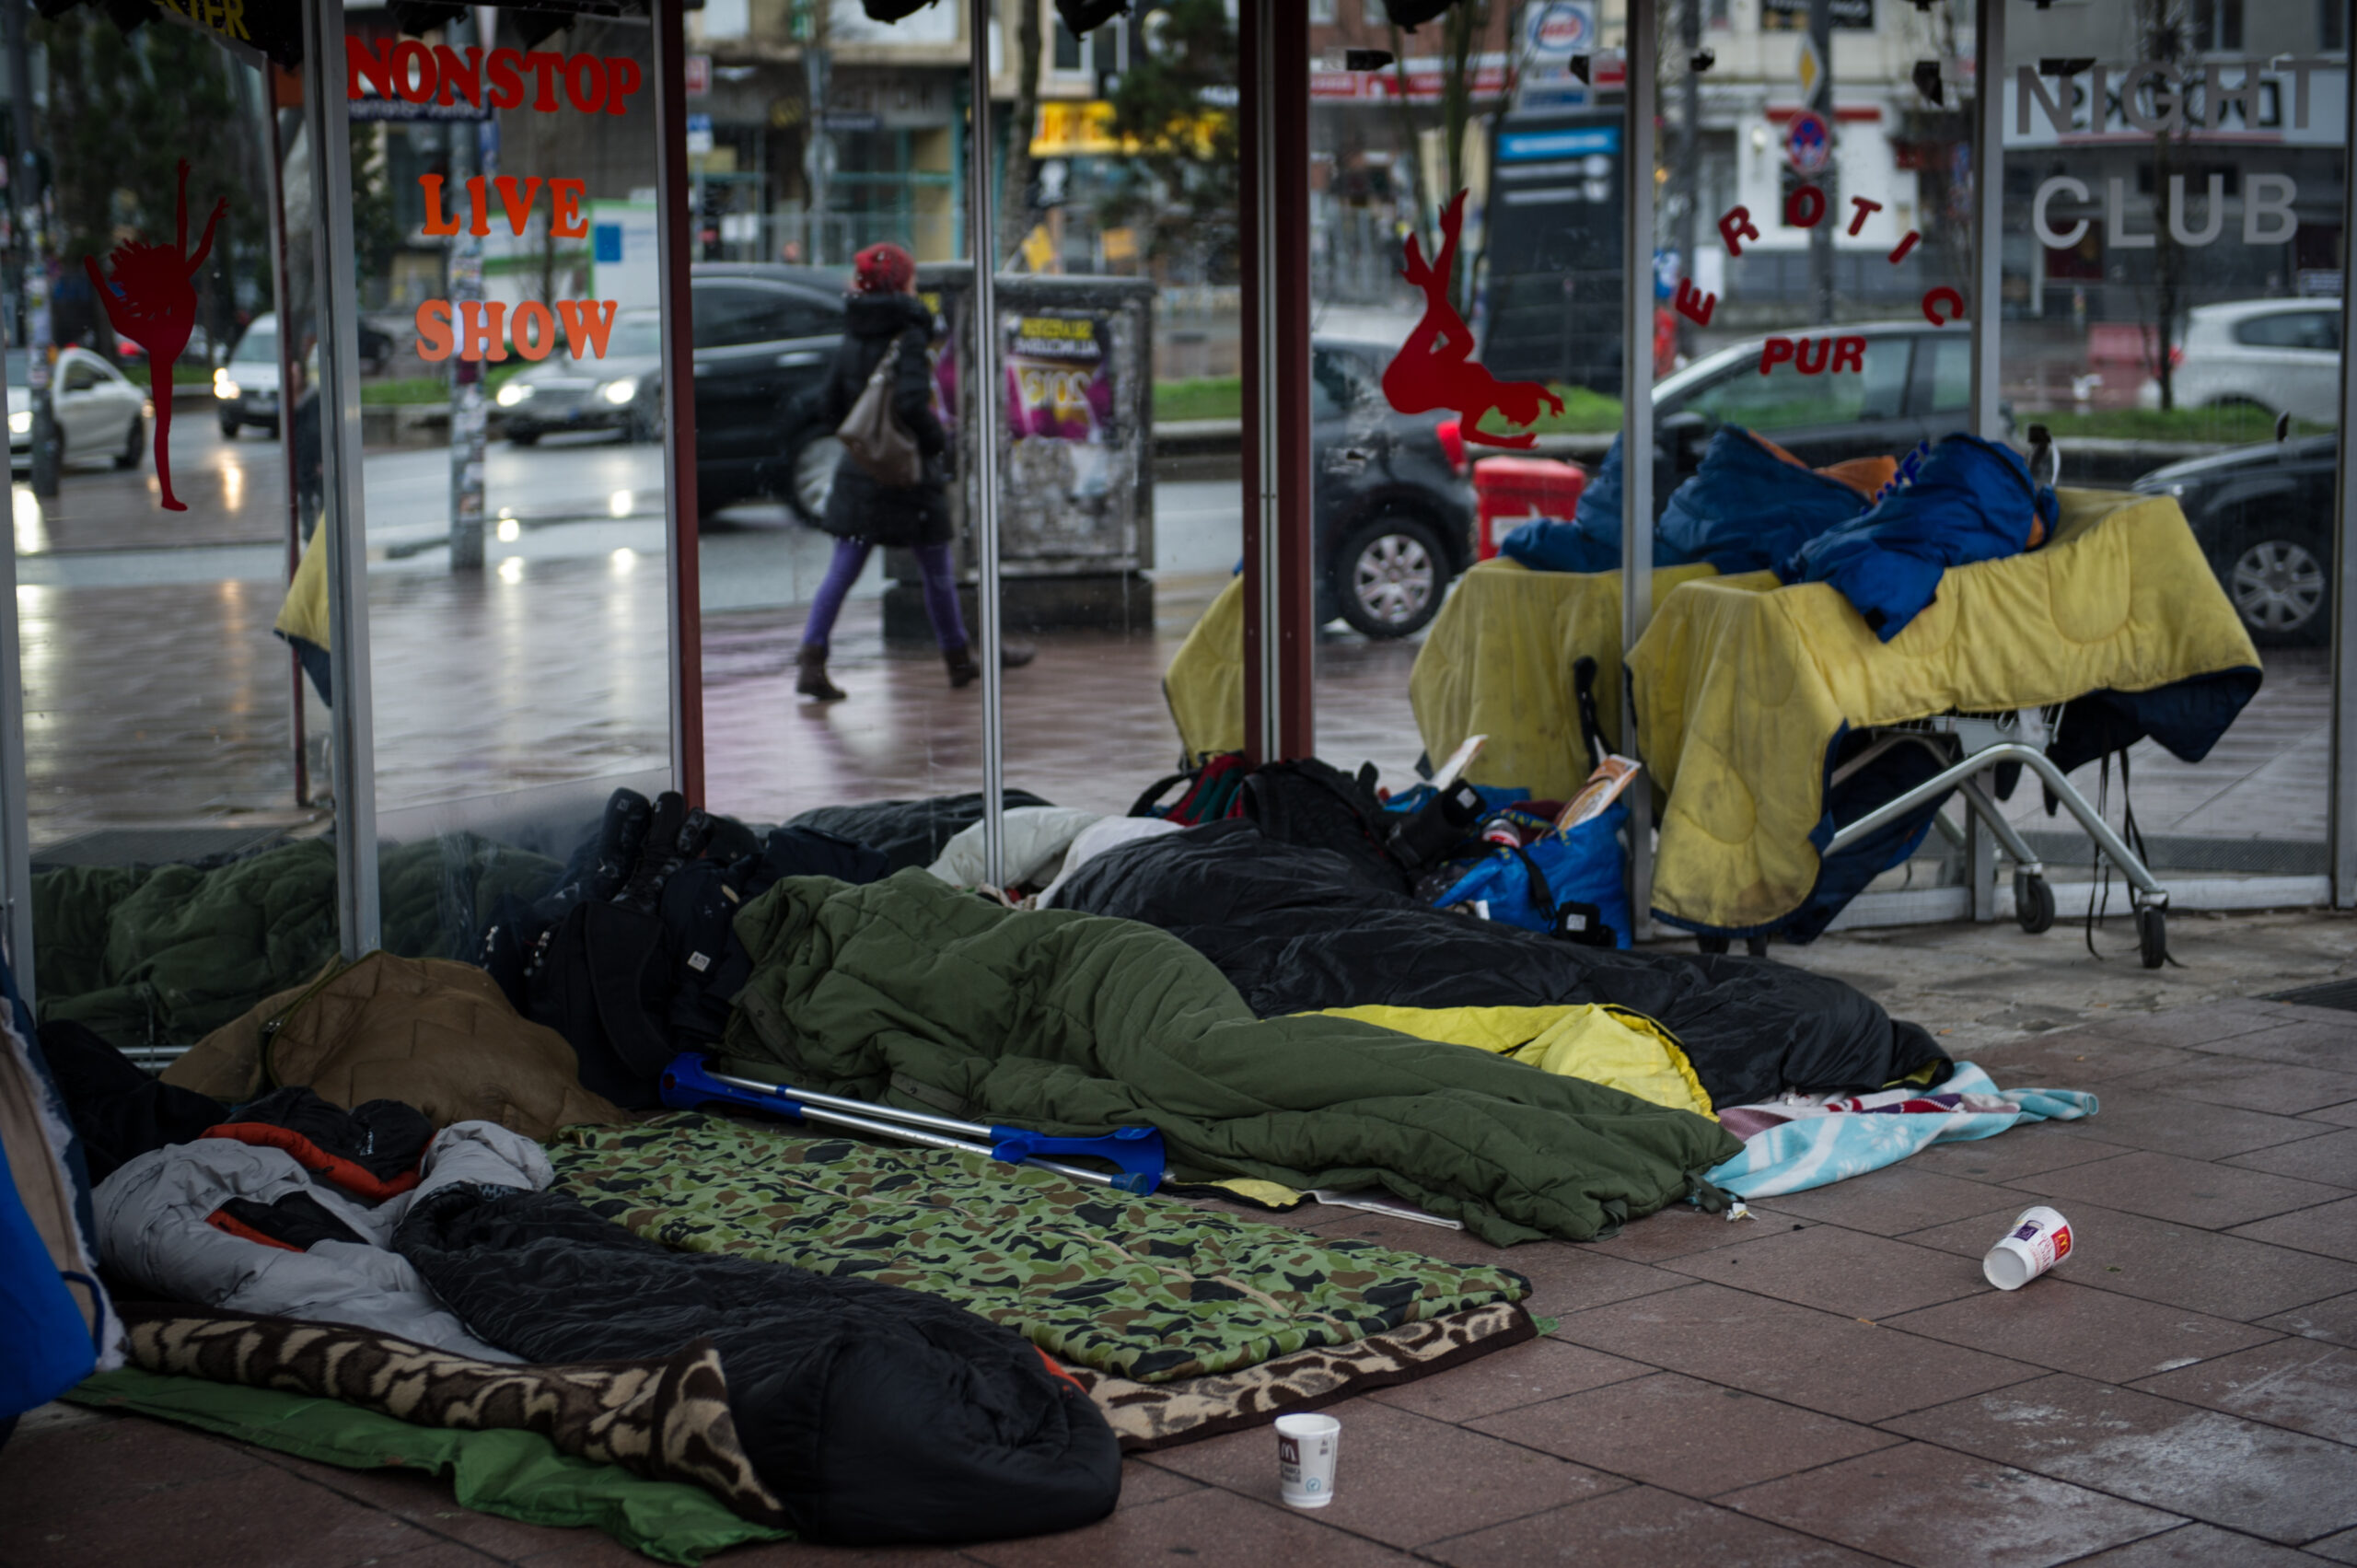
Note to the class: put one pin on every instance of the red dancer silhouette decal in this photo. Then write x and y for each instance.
(1435, 368)
(154, 304)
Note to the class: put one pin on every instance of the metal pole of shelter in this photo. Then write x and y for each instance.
(288, 368)
(1820, 100)
(981, 429)
(326, 121)
(1988, 213)
(1637, 413)
(16, 833)
(683, 567)
(2342, 808)
(1280, 630)
(1986, 325)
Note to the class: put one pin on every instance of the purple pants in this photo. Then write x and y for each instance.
(851, 558)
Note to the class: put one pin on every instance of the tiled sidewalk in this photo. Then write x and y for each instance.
(1828, 1383)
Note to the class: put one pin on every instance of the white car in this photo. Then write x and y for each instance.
(99, 413)
(2280, 354)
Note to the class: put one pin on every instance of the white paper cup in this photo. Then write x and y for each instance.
(1306, 1459)
(2040, 1240)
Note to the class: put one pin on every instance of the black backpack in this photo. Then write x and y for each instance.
(632, 981)
(1317, 805)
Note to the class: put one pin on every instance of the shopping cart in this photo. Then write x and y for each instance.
(1971, 745)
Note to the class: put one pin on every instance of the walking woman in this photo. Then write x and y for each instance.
(882, 316)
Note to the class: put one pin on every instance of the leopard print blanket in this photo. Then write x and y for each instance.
(667, 1419)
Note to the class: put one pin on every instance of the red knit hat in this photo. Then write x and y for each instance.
(883, 268)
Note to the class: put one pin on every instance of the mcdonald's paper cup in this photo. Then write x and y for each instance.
(1306, 1459)
(2040, 1240)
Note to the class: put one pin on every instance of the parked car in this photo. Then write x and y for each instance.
(623, 391)
(1915, 384)
(246, 389)
(764, 336)
(1394, 508)
(2264, 517)
(99, 413)
(2280, 354)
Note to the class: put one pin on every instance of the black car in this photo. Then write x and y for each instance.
(762, 337)
(1394, 509)
(2264, 517)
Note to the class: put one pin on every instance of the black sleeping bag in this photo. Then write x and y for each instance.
(1296, 930)
(875, 1414)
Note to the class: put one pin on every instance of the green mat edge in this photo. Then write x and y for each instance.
(513, 1473)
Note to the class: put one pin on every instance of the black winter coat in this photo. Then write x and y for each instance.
(859, 507)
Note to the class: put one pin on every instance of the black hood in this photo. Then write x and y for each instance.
(885, 315)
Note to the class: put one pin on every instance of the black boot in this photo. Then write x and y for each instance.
(812, 681)
(963, 670)
(1015, 655)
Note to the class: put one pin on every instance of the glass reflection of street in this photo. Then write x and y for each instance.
(158, 693)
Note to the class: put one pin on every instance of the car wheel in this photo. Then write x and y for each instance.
(1389, 574)
(133, 441)
(2277, 579)
(812, 476)
(645, 429)
(230, 427)
(523, 437)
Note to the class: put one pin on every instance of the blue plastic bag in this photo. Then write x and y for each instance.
(1580, 876)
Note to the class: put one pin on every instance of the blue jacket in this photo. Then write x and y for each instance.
(1971, 501)
(1743, 510)
(1746, 508)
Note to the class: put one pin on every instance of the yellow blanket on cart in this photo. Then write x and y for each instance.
(1498, 661)
(1742, 688)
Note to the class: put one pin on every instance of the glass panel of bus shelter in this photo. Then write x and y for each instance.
(1394, 514)
(1120, 331)
(1821, 187)
(504, 217)
(829, 135)
(2174, 261)
(163, 728)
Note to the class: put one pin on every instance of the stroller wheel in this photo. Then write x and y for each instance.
(2153, 935)
(1712, 944)
(2033, 903)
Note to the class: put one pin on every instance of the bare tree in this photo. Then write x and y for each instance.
(2162, 32)
(1017, 176)
(1464, 27)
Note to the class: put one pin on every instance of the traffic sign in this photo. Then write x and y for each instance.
(1809, 142)
(1812, 67)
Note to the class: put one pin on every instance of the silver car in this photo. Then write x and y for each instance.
(2282, 355)
(99, 412)
(246, 391)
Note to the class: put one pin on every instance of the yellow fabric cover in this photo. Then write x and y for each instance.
(1741, 686)
(305, 612)
(1601, 1043)
(1205, 685)
(1498, 662)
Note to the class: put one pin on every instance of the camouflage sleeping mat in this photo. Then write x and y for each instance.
(1147, 1290)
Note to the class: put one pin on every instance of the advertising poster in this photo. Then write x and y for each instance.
(1060, 402)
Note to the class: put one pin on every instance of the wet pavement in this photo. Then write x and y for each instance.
(1828, 1383)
